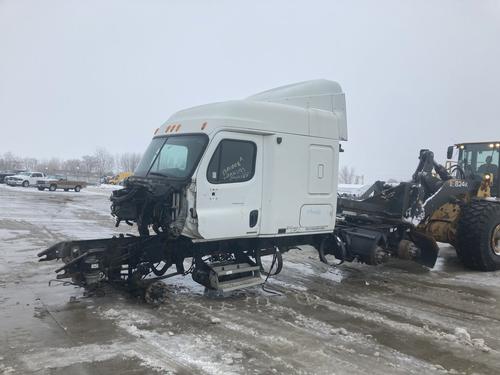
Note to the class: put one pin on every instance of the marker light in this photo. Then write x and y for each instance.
(492, 145)
(203, 126)
(497, 145)
(156, 131)
(462, 147)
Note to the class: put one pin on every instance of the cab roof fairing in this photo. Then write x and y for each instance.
(280, 110)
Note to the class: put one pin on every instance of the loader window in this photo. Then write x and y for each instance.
(487, 162)
(477, 159)
(233, 161)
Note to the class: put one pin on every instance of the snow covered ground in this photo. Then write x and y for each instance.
(398, 318)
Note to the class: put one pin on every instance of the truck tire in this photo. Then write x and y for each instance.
(77, 188)
(478, 235)
(26, 183)
(53, 187)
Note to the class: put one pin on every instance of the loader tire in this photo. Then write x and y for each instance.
(478, 235)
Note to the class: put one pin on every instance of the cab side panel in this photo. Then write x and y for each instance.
(300, 184)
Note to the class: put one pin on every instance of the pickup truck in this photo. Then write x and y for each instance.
(24, 179)
(4, 175)
(53, 183)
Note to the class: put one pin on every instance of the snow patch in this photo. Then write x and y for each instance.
(184, 350)
(333, 274)
(462, 336)
(9, 234)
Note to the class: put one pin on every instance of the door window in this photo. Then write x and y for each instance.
(233, 161)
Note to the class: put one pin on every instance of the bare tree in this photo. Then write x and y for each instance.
(55, 164)
(101, 162)
(89, 163)
(9, 162)
(347, 175)
(49, 166)
(72, 165)
(104, 161)
(128, 161)
(30, 163)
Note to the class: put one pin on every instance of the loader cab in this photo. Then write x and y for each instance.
(478, 159)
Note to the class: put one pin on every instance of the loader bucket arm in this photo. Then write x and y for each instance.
(429, 249)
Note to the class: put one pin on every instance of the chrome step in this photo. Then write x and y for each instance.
(228, 276)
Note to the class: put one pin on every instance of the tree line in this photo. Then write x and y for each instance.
(347, 175)
(101, 162)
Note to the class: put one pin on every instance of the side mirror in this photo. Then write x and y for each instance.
(449, 153)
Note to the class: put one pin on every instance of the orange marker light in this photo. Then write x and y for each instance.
(167, 128)
(203, 126)
(156, 131)
(178, 127)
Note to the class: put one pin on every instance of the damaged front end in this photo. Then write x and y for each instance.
(163, 210)
(151, 202)
(131, 261)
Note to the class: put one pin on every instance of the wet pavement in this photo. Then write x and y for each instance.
(397, 318)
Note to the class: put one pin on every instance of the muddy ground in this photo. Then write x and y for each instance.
(398, 318)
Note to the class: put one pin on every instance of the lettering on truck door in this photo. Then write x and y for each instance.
(229, 192)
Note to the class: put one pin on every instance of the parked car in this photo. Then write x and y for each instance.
(24, 179)
(60, 182)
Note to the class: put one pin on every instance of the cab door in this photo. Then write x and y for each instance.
(229, 187)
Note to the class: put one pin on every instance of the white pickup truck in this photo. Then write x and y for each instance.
(24, 179)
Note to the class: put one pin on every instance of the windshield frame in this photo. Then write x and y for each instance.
(165, 138)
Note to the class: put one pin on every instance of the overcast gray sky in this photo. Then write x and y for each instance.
(75, 75)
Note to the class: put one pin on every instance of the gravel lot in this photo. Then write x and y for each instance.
(398, 318)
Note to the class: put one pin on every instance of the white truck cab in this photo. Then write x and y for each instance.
(265, 166)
